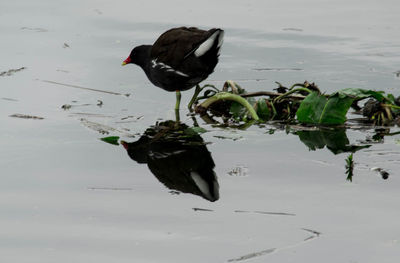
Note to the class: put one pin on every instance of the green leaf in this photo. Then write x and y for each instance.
(111, 140)
(391, 99)
(263, 110)
(237, 110)
(317, 109)
(360, 94)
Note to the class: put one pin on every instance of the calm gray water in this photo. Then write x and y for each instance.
(66, 196)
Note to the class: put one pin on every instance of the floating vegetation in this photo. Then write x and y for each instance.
(66, 106)
(239, 170)
(384, 174)
(84, 88)
(302, 103)
(25, 116)
(9, 99)
(11, 71)
(202, 209)
(253, 255)
(36, 29)
(103, 129)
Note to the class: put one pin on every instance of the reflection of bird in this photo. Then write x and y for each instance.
(180, 58)
(178, 158)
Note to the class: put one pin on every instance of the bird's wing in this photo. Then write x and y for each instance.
(173, 45)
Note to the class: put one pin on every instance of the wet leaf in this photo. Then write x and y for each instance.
(391, 99)
(361, 94)
(237, 110)
(318, 109)
(111, 140)
(25, 116)
(263, 110)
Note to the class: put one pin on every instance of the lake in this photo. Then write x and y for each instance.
(276, 194)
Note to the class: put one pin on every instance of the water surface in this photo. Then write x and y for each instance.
(67, 196)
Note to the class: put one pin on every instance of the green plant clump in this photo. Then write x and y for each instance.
(302, 103)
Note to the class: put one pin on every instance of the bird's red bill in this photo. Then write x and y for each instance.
(126, 61)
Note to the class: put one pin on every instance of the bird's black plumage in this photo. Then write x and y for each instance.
(180, 58)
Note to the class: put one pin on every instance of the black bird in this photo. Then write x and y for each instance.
(180, 58)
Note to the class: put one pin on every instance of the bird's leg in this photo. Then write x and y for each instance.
(177, 117)
(178, 102)
(178, 99)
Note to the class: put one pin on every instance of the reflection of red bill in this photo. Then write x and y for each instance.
(124, 143)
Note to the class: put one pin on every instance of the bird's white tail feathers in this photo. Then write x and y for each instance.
(206, 45)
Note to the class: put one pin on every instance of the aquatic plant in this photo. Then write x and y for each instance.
(302, 102)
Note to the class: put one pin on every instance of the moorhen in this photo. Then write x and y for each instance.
(180, 58)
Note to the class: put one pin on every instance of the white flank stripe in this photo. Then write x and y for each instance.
(167, 68)
(201, 184)
(206, 45)
(221, 38)
(181, 73)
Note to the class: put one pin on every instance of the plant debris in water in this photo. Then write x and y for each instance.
(301, 103)
(84, 88)
(11, 71)
(36, 29)
(9, 99)
(384, 174)
(24, 116)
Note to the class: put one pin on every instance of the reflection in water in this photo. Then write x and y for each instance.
(178, 157)
(337, 142)
(334, 139)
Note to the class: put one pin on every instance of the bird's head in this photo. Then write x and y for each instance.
(138, 55)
